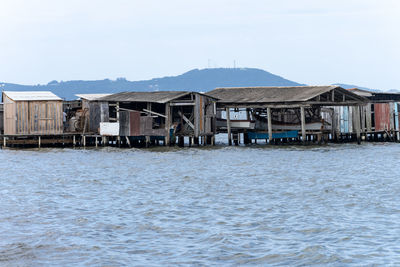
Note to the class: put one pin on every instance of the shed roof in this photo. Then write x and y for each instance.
(91, 97)
(31, 95)
(281, 94)
(155, 97)
(361, 92)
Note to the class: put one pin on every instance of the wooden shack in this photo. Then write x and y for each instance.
(164, 115)
(380, 116)
(91, 114)
(276, 113)
(32, 113)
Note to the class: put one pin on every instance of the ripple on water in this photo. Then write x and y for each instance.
(258, 205)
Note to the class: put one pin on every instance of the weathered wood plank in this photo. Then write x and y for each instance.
(228, 125)
(269, 117)
(303, 124)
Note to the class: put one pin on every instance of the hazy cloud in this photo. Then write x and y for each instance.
(309, 41)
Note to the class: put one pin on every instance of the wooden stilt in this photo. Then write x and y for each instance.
(236, 137)
(4, 142)
(104, 140)
(303, 124)
(168, 123)
(269, 117)
(319, 138)
(246, 138)
(74, 140)
(128, 141)
(181, 141)
(213, 140)
(357, 123)
(39, 142)
(95, 140)
(84, 141)
(228, 125)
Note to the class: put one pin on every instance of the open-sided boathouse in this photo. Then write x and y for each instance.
(300, 113)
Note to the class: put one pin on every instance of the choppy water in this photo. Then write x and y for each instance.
(331, 205)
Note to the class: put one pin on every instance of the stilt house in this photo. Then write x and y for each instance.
(92, 112)
(163, 114)
(32, 113)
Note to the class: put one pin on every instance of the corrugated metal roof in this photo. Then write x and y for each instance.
(91, 97)
(360, 92)
(31, 95)
(279, 94)
(377, 96)
(155, 97)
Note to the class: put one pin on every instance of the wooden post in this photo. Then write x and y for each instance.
(213, 140)
(39, 142)
(246, 138)
(269, 115)
(228, 125)
(167, 123)
(236, 137)
(103, 140)
(74, 140)
(362, 109)
(368, 117)
(95, 140)
(128, 142)
(181, 141)
(303, 124)
(248, 114)
(357, 123)
(147, 140)
(117, 110)
(84, 141)
(4, 142)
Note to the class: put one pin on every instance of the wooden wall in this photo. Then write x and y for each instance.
(374, 117)
(32, 117)
(382, 116)
(9, 115)
(132, 124)
(204, 116)
(45, 117)
(98, 112)
(1, 118)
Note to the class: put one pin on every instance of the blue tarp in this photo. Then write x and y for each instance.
(288, 134)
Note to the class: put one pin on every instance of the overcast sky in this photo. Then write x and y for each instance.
(308, 41)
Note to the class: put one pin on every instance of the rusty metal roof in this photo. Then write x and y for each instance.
(273, 94)
(31, 95)
(154, 97)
